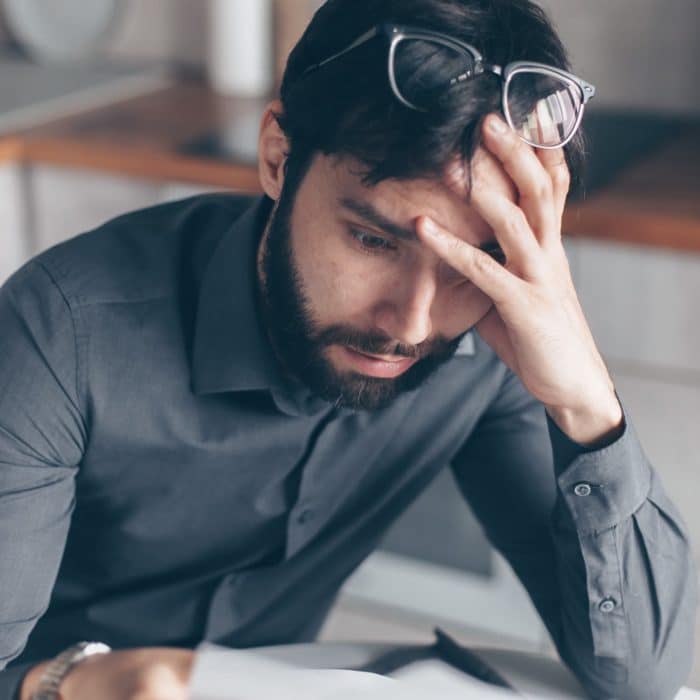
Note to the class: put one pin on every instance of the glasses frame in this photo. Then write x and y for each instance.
(398, 33)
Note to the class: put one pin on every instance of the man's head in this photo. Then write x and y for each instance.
(351, 168)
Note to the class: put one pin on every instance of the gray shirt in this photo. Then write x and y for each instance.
(163, 482)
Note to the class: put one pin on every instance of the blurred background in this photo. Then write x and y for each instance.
(116, 105)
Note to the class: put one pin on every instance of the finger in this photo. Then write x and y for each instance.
(554, 162)
(511, 228)
(495, 181)
(488, 171)
(456, 178)
(527, 172)
(477, 266)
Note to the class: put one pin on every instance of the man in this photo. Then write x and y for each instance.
(212, 410)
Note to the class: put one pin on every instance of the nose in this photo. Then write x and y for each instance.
(405, 314)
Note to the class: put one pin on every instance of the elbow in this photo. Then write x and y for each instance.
(648, 671)
(646, 674)
(658, 654)
(619, 682)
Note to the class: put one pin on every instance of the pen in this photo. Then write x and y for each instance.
(446, 649)
(458, 656)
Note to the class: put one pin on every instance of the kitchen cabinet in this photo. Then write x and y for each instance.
(641, 302)
(68, 201)
(665, 414)
(14, 245)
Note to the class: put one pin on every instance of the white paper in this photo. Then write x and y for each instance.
(226, 674)
(434, 679)
(688, 694)
(220, 673)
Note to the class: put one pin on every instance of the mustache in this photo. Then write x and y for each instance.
(376, 344)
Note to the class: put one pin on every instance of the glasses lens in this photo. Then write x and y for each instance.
(543, 108)
(424, 70)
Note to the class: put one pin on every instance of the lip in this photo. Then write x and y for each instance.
(377, 365)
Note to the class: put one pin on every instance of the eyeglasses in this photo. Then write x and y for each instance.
(542, 104)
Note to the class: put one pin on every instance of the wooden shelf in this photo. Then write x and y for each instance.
(143, 137)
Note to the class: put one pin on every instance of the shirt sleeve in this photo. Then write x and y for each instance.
(598, 545)
(42, 436)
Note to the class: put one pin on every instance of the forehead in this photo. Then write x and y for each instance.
(334, 180)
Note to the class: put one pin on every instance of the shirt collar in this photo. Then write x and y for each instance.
(231, 351)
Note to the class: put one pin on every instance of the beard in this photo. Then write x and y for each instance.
(299, 341)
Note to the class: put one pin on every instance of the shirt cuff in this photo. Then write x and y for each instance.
(604, 485)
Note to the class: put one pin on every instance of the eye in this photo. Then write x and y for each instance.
(496, 252)
(370, 241)
(449, 277)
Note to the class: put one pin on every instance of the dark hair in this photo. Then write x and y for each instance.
(346, 108)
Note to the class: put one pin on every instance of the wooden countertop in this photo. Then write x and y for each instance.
(131, 137)
(654, 202)
(10, 149)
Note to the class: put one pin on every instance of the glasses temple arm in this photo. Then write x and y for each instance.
(369, 34)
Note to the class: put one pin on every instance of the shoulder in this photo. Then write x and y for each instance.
(138, 255)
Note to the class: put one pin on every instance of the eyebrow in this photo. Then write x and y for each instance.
(366, 211)
(370, 214)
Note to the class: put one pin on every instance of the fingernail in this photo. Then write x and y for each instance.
(497, 125)
(430, 228)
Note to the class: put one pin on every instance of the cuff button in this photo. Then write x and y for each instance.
(607, 605)
(582, 489)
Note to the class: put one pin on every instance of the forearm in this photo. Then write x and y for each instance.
(120, 675)
(42, 436)
(580, 525)
(30, 682)
(625, 576)
(598, 422)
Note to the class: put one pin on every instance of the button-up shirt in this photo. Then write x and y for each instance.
(162, 481)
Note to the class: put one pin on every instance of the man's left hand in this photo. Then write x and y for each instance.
(536, 326)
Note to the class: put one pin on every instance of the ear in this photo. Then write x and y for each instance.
(273, 148)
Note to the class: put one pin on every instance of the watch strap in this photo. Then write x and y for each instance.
(59, 668)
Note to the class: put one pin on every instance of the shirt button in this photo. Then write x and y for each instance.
(305, 516)
(582, 489)
(607, 605)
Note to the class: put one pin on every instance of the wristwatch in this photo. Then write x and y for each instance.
(58, 669)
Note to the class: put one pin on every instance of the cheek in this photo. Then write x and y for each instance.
(355, 289)
(338, 287)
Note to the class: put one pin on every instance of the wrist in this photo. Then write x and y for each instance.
(30, 682)
(598, 423)
(44, 681)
